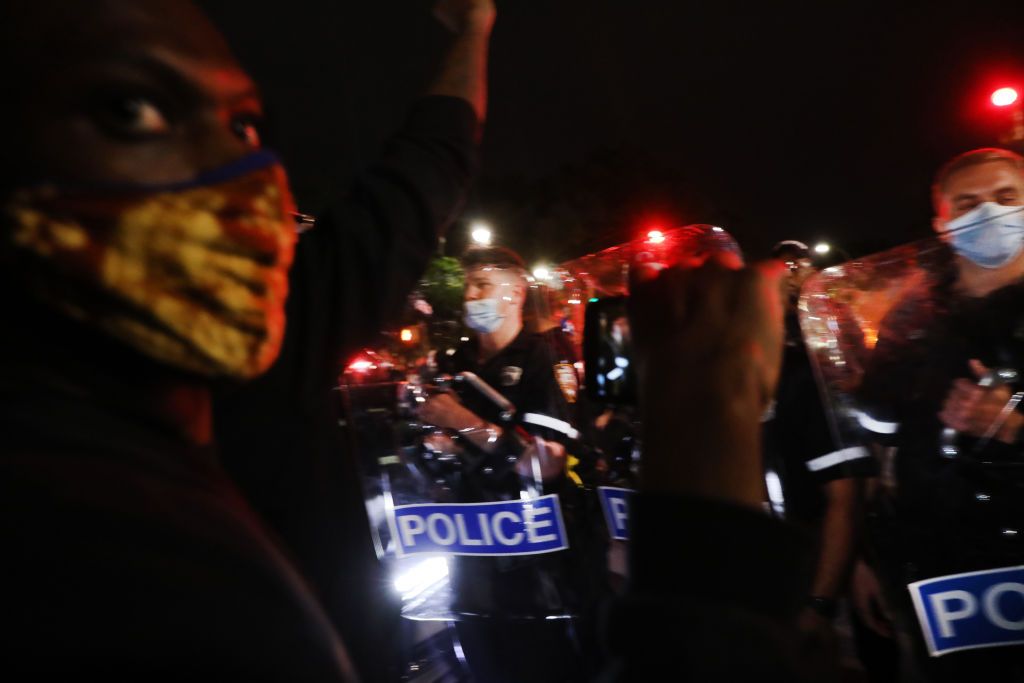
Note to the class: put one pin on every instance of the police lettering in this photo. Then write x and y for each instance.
(956, 605)
(501, 528)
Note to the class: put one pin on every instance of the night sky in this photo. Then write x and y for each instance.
(775, 120)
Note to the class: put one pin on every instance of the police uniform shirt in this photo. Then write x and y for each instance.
(951, 512)
(798, 444)
(533, 374)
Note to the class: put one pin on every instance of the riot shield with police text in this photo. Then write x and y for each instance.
(919, 352)
(475, 470)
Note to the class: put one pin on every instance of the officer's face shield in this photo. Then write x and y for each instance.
(473, 462)
(919, 349)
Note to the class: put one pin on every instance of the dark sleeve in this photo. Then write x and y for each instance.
(365, 254)
(878, 410)
(124, 566)
(547, 410)
(825, 458)
(714, 589)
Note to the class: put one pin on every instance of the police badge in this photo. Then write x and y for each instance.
(568, 381)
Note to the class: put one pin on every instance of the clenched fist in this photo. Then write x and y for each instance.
(463, 16)
(709, 346)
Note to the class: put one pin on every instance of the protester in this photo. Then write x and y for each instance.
(146, 244)
(722, 605)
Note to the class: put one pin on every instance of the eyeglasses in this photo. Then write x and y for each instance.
(303, 221)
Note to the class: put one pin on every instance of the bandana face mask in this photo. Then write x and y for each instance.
(193, 275)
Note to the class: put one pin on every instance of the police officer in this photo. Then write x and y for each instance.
(811, 480)
(535, 375)
(514, 638)
(958, 503)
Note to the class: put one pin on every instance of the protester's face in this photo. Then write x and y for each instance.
(129, 92)
(995, 181)
(506, 286)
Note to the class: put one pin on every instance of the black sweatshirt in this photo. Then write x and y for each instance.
(714, 590)
(353, 272)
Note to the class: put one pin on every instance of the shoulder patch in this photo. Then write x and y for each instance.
(568, 382)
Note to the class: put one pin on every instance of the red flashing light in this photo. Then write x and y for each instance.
(1004, 97)
(655, 237)
(361, 365)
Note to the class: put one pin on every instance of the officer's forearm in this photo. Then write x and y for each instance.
(838, 537)
(464, 69)
(482, 434)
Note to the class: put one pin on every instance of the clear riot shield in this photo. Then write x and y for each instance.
(604, 339)
(475, 470)
(919, 352)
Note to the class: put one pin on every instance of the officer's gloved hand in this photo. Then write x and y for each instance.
(709, 346)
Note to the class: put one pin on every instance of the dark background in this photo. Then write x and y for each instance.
(607, 117)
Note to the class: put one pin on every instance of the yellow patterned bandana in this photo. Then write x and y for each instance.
(194, 275)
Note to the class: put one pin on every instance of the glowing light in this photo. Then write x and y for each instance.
(1004, 97)
(405, 335)
(822, 248)
(574, 301)
(361, 365)
(421, 577)
(592, 299)
(542, 272)
(655, 236)
(481, 234)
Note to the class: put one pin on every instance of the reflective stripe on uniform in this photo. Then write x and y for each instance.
(877, 426)
(837, 457)
(540, 420)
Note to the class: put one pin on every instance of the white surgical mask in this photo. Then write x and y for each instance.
(990, 235)
(482, 315)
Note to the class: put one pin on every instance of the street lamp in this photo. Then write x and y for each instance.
(481, 234)
(541, 273)
(822, 248)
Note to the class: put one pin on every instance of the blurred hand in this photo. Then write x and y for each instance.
(867, 600)
(709, 346)
(444, 410)
(441, 443)
(464, 16)
(550, 455)
(973, 410)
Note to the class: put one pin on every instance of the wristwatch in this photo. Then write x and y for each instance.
(826, 607)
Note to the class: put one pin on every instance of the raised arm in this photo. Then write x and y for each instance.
(464, 70)
(369, 249)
